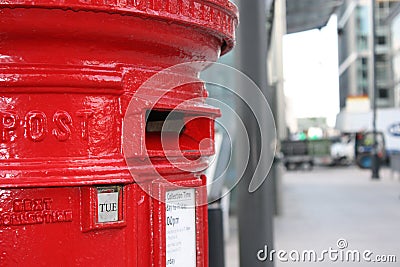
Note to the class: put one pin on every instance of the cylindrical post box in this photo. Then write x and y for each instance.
(73, 191)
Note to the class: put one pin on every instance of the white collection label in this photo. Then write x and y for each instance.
(107, 208)
(180, 219)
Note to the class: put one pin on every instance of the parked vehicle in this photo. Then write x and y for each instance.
(306, 153)
(364, 144)
(320, 151)
(387, 122)
(295, 154)
(343, 150)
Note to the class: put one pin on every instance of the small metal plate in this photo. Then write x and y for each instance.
(107, 204)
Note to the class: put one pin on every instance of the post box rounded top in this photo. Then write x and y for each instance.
(217, 17)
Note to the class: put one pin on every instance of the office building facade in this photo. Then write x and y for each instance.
(355, 53)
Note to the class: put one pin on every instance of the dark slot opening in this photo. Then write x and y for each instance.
(166, 121)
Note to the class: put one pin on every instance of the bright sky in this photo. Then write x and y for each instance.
(311, 72)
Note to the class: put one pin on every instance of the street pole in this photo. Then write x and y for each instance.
(375, 159)
(255, 209)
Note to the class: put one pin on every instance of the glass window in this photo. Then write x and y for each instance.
(383, 93)
(381, 73)
(364, 74)
(381, 58)
(364, 62)
(381, 40)
(362, 42)
(363, 20)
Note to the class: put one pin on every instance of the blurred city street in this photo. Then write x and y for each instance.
(200, 133)
(320, 207)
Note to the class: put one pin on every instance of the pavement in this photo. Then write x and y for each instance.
(332, 209)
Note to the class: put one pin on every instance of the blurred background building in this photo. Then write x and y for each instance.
(354, 30)
(356, 67)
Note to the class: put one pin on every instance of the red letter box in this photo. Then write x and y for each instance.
(73, 190)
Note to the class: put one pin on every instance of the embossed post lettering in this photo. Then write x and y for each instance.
(85, 115)
(36, 125)
(34, 211)
(8, 123)
(62, 120)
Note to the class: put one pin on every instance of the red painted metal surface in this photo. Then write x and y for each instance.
(68, 69)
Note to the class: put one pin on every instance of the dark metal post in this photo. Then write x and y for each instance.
(375, 159)
(216, 236)
(255, 210)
